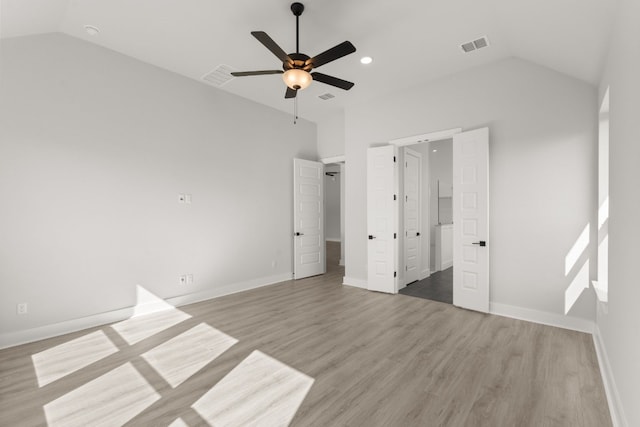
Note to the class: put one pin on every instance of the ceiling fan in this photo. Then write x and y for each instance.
(296, 66)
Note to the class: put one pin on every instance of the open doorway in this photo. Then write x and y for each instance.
(334, 216)
(318, 217)
(386, 257)
(428, 220)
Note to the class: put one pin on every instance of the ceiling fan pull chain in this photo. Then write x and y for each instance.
(295, 110)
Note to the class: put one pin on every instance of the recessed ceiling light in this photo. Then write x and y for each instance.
(366, 60)
(435, 151)
(91, 30)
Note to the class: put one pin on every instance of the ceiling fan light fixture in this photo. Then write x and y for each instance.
(297, 79)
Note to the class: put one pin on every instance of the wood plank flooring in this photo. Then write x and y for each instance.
(310, 353)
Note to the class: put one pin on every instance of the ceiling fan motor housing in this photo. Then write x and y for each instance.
(298, 61)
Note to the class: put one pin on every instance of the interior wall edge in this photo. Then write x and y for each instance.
(356, 283)
(611, 390)
(542, 317)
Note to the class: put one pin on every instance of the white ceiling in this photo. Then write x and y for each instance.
(410, 40)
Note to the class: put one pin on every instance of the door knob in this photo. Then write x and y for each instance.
(371, 237)
(418, 233)
(299, 234)
(481, 243)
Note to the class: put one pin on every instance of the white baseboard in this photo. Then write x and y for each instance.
(332, 239)
(229, 289)
(341, 262)
(446, 265)
(542, 317)
(425, 273)
(356, 283)
(12, 339)
(618, 418)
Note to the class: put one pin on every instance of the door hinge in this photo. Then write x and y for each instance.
(395, 274)
(406, 268)
(395, 236)
(394, 159)
(394, 197)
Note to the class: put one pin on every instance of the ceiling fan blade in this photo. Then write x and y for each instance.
(255, 73)
(290, 93)
(271, 45)
(343, 49)
(333, 81)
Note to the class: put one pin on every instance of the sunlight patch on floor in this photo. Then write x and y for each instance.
(111, 399)
(260, 391)
(182, 356)
(64, 359)
(178, 423)
(136, 329)
(147, 302)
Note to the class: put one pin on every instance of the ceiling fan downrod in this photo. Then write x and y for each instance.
(297, 9)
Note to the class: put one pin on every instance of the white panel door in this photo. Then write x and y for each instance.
(471, 220)
(382, 211)
(308, 219)
(412, 218)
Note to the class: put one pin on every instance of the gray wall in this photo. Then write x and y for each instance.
(620, 328)
(542, 162)
(331, 135)
(94, 149)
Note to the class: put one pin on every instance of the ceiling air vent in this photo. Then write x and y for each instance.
(326, 96)
(475, 45)
(220, 76)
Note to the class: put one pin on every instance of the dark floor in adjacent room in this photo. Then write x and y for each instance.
(437, 287)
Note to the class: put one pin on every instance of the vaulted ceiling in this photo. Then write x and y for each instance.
(410, 40)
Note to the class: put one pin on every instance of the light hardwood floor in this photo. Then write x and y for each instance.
(309, 353)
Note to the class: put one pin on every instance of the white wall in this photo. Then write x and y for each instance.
(332, 203)
(94, 149)
(542, 162)
(620, 328)
(331, 135)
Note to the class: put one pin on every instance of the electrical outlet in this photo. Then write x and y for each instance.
(22, 308)
(189, 279)
(183, 279)
(187, 199)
